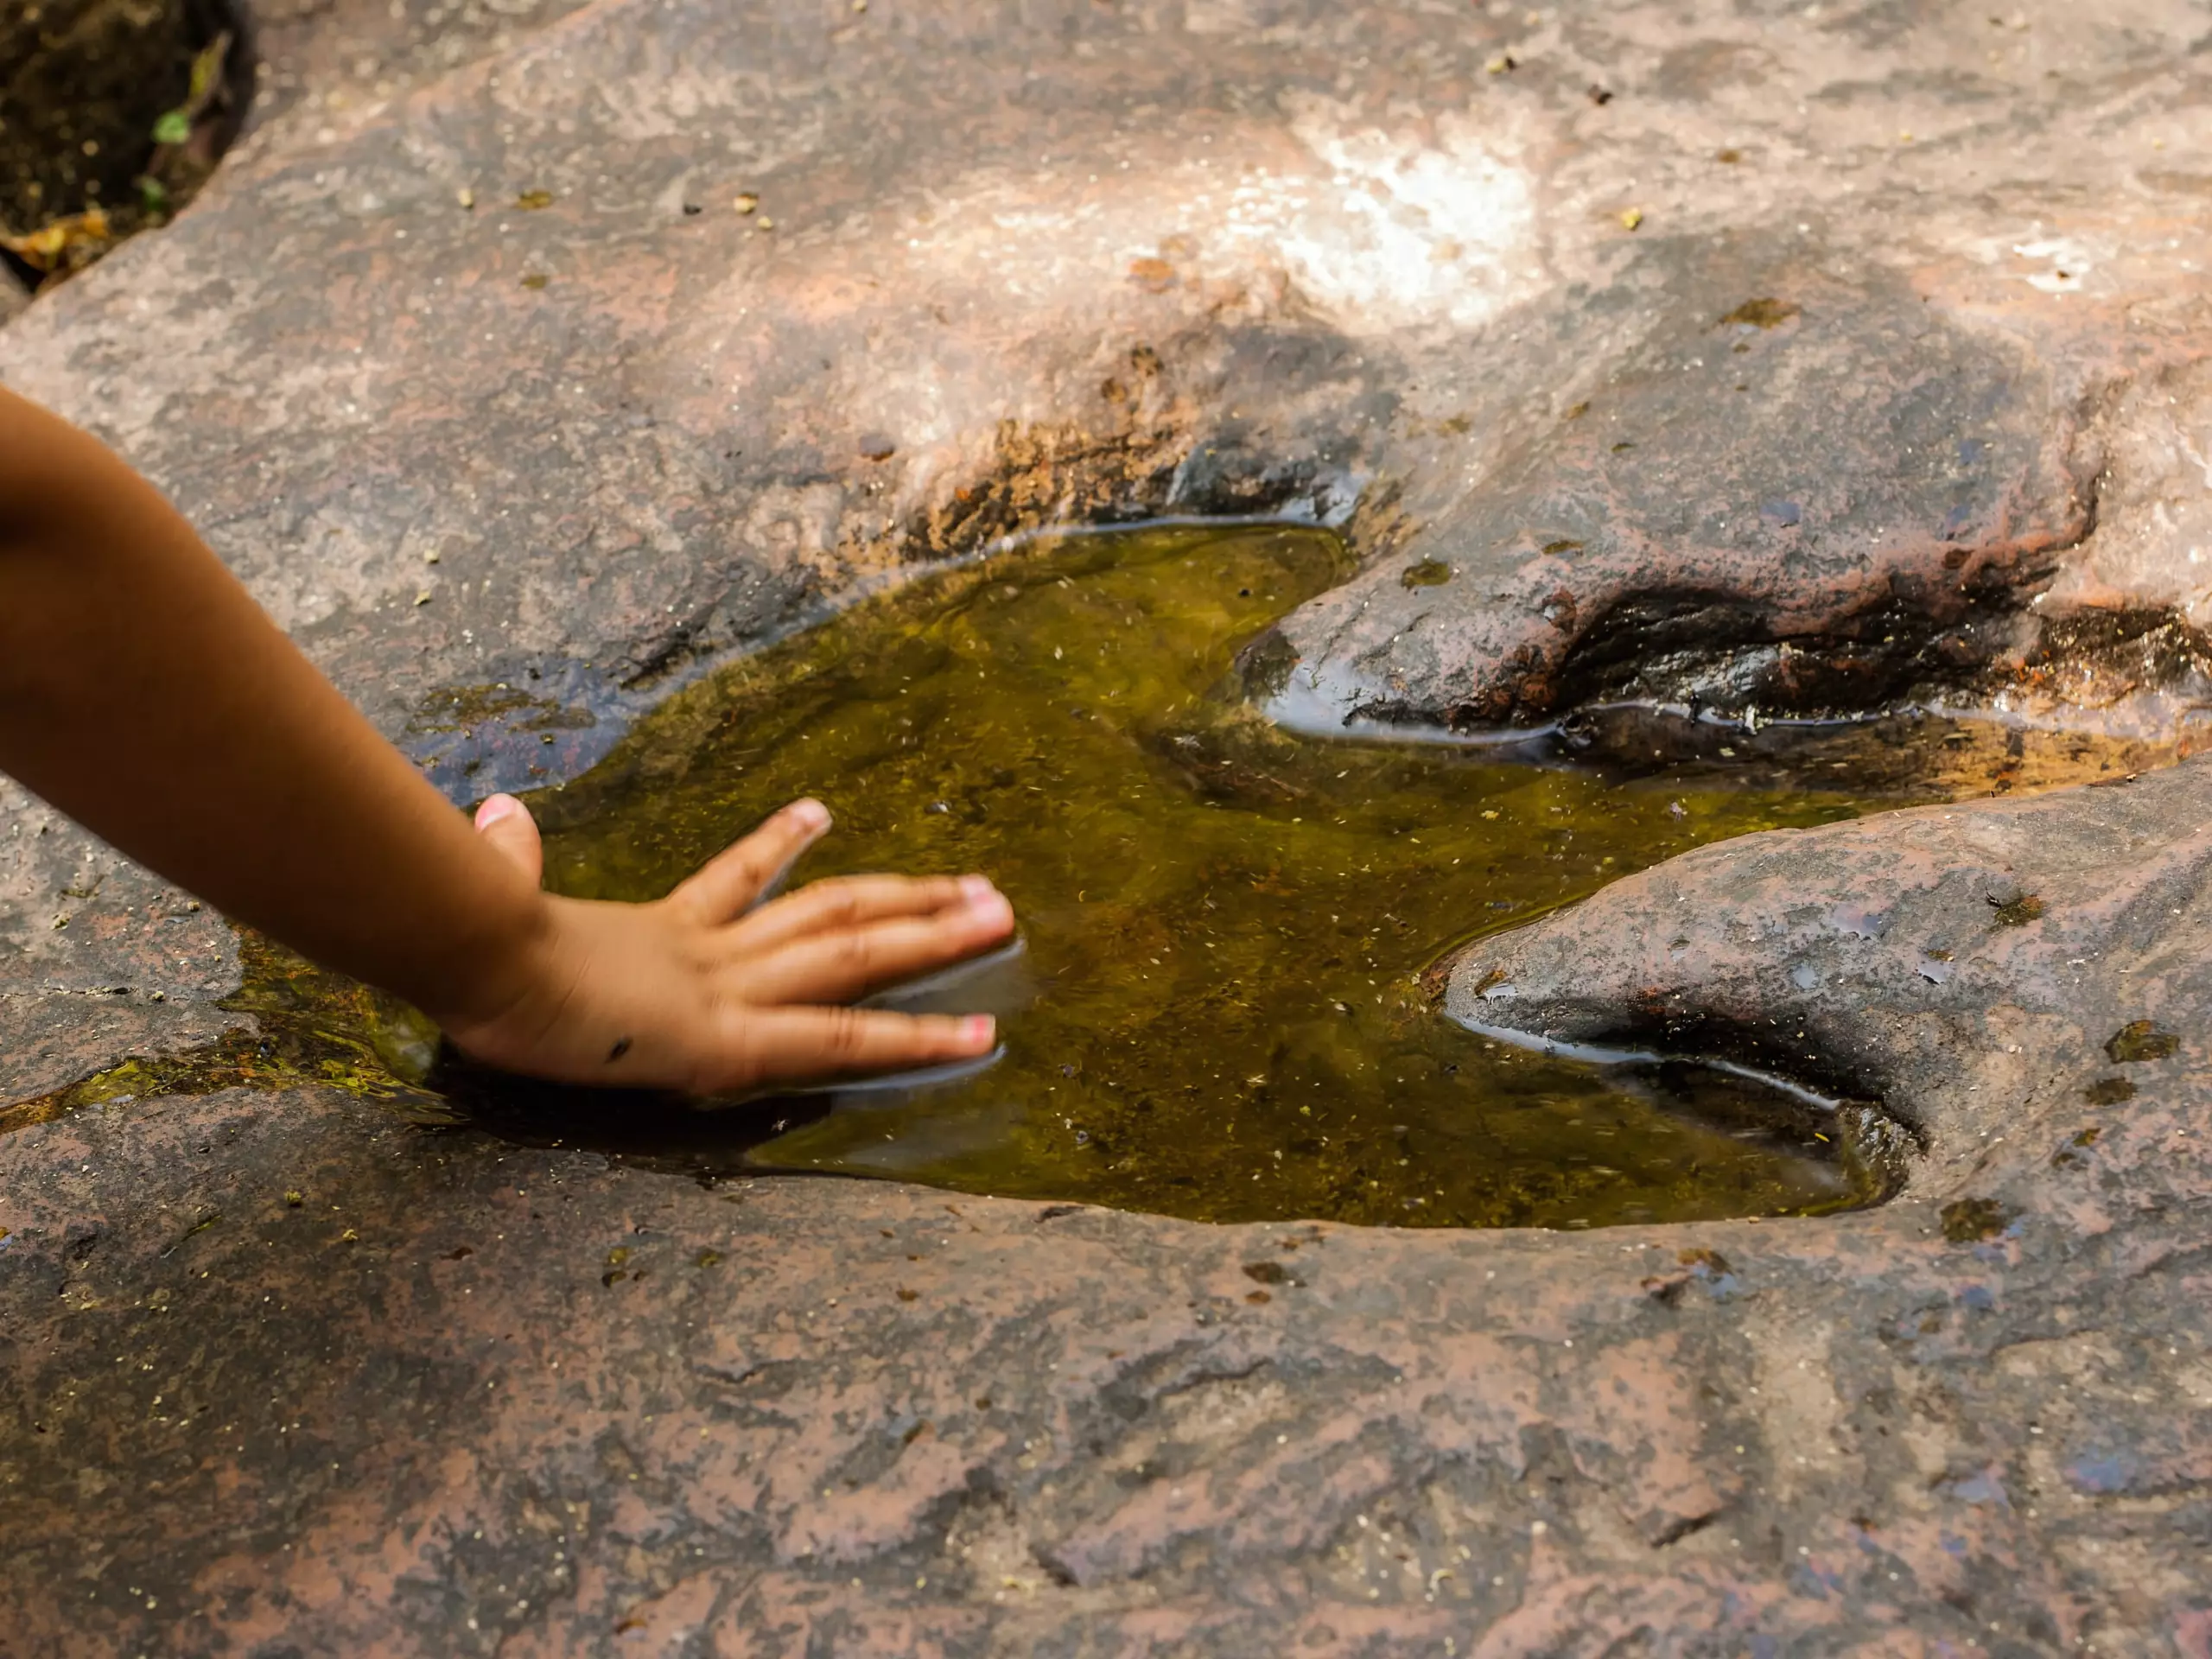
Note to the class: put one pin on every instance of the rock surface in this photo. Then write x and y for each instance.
(511, 469)
(469, 1399)
(1912, 410)
(321, 61)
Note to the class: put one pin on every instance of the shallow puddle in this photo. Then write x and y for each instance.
(1225, 926)
(1219, 1010)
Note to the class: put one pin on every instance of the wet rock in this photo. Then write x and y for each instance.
(1814, 505)
(98, 957)
(1809, 954)
(417, 1409)
(1804, 953)
(1867, 961)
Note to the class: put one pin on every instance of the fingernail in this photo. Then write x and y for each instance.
(976, 888)
(496, 808)
(812, 814)
(990, 907)
(978, 1030)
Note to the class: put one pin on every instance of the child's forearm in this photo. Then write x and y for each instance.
(144, 693)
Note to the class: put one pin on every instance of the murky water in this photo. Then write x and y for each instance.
(1219, 1012)
(1224, 925)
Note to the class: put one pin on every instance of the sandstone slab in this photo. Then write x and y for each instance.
(464, 1398)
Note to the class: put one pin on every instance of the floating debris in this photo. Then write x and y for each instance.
(1761, 313)
(1968, 1221)
(2139, 1040)
(64, 245)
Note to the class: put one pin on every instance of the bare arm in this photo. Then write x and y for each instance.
(143, 692)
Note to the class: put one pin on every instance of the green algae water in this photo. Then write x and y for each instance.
(1225, 926)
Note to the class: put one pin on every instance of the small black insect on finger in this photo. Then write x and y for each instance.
(620, 1048)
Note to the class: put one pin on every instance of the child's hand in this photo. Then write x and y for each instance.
(698, 992)
(142, 692)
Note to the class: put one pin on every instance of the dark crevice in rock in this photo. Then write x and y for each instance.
(2096, 657)
(1675, 1531)
(1713, 651)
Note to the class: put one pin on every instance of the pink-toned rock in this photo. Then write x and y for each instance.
(465, 1396)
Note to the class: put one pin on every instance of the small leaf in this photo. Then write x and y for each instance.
(207, 68)
(173, 128)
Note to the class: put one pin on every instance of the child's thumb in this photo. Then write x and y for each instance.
(506, 823)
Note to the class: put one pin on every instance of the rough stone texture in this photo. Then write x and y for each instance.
(98, 957)
(466, 1399)
(1075, 261)
(318, 63)
(1815, 512)
(1989, 949)
(2026, 984)
(1969, 414)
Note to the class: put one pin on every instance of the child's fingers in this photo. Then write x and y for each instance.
(733, 879)
(806, 1044)
(849, 901)
(505, 822)
(836, 967)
